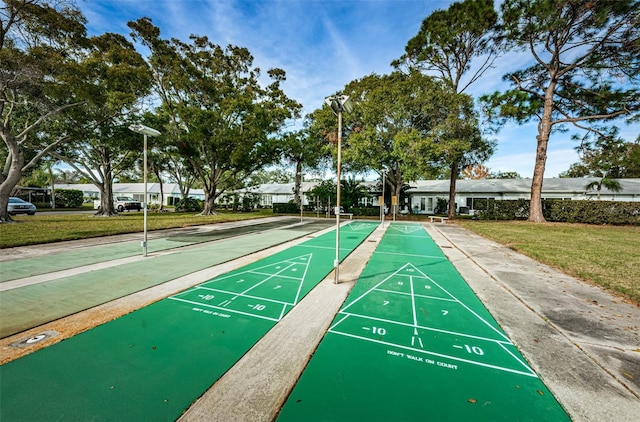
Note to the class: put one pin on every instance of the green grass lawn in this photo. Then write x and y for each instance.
(608, 256)
(32, 230)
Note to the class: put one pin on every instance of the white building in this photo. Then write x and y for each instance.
(171, 192)
(422, 196)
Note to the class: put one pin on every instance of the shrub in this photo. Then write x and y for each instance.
(365, 211)
(69, 198)
(587, 212)
(189, 205)
(285, 208)
(442, 205)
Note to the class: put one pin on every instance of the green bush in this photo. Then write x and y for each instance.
(189, 205)
(365, 211)
(69, 198)
(285, 208)
(442, 205)
(490, 209)
(587, 212)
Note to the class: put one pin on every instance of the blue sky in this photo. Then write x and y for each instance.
(324, 44)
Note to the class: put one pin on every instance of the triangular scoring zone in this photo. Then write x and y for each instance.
(292, 269)
(411, 271)
(406, 228)
(355, 322)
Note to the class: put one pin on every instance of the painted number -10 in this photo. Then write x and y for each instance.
(474, 350)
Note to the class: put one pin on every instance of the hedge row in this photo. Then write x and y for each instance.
(588, 212)
(365, 211)
(291, 208)
(65, 198)
(285, 208)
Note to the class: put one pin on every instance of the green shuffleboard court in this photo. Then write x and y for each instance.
(413, 342)
(153, 363)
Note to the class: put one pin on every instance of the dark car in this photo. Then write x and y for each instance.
(19, 206)
(126, 203)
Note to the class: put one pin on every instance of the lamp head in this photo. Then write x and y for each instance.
(339, 103)
(144, 130)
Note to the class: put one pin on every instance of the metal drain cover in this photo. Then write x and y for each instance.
(34, 339)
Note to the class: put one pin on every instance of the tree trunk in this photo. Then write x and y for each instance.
(9, 180)
(209, 205)
(544, 131)
(451, 214)
(297, 197)
(161, 191)
(395, 182)
(106, 199)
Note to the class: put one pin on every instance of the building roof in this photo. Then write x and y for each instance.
(516, 186)
(280, 188)
(565, 186)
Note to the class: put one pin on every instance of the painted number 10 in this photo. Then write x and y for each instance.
(379, 330)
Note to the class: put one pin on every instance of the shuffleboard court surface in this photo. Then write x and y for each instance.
(413, 342)
(153, 363)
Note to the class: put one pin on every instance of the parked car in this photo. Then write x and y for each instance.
(19, 206)
(126, 203)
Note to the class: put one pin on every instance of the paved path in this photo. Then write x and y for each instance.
(583, 341)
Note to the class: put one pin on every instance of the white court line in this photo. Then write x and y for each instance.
(529, 374)
(437, 330)
(444, 299)
(518, 359)
(466, 307)
(406, 228)
(338, 323)
(236, 294)
(375, 287)
(279, 276)
(413, 308)
(403, 235)
(306, 259)
(357, 226)
(333, 248)
(442, 258)
(233, 274)
(372, 289)
(224, 309)
(302, 279)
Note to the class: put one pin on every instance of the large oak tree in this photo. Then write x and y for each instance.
(37, 82)
(101, 147)
(406, 126)
(225, 121)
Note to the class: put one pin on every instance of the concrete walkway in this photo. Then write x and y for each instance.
(583, 342)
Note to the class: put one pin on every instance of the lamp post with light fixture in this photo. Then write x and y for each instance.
(145, 131)
(339, 104)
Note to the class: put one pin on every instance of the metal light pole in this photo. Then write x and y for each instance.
(339, 104)
(145, 131)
